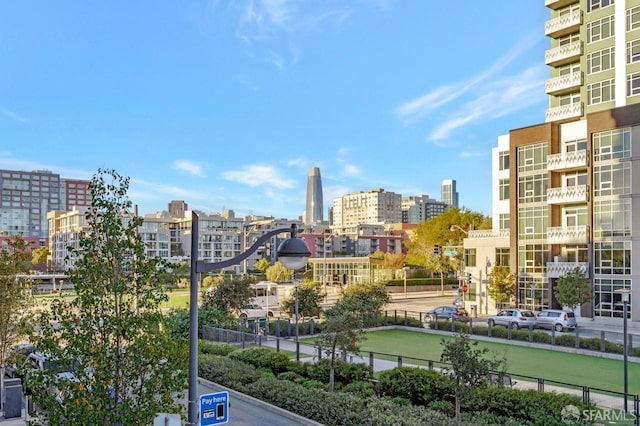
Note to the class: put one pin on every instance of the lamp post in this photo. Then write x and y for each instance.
(297, 328)
(626, 293)
(293, 253)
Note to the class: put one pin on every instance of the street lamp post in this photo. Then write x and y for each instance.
(626, 293)
(297, 328)
(293, 253)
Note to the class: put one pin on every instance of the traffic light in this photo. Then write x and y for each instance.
(469, 278)
(436, 249)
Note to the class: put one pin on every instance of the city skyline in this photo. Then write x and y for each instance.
(226, 106)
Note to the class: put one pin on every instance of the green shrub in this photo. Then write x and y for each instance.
(499, 332)
(480, 330)
(214, 348)
(344, 372)
(263, 357)
(418, 385)
(541, 337)
(445, 407)
(313, 384)
(568, 340)
(364, 389)
(290, 376)
(227, 372)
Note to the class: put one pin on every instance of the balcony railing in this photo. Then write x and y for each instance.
(488, 233)
(558, 4)
(563, 25)
(564, 113)
(564, 54)
(568, 235)
(568, 160)
(568, 194)
(559, 269)
(563, 84)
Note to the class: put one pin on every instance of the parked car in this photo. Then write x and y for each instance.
(447, 312)
(17, 357)
(556, 319)
(513, 318)
(41, 362)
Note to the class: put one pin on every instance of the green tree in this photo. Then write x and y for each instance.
(39, 258)
(501, 284)
(277, 273)
(128, 367)
(231, 295)
(573, 289)
(365, 298)
(15, 297)
(309, 298)
(262, 265)
(469, 366)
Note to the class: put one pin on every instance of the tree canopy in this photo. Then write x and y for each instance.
(501, 284)
(277, 273)
(573, 289)
(309, 298)
(128, 368)
(229, 293)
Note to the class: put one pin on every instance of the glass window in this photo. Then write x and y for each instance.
(600, 91)
(532, 188)
(504, 221)
(598, 4)
(612, 257)
(532, 223)
(633, 51)
(633, 84)
(607, 299)
(502, 256)
(532, 258)
(470, 257)
(532, 157)
(612, 218)
(601, 60)
(600, 29)
(612, 144)
(612, 179)
(633, 18)
(503, 189)
(503, 160)
(569, 99)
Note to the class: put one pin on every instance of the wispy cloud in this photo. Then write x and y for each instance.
(256, 175)
(12, 115)
(189, 167)
(351, 170)
(417, 109)
(469, 154)
(500, 98)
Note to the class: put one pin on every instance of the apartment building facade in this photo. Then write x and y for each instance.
(375, 207)
(572, 183)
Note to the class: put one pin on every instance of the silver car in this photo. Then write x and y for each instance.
(513, 318)
(556, 319)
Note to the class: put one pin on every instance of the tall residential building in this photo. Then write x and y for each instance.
(25, 199)
(74, 193)
(314, 212)
(572, 185)
(449, 193)
(416, 209)
(373, 207)
(177, 208)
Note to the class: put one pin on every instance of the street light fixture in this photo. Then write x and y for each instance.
(626, 293)
(293, 253)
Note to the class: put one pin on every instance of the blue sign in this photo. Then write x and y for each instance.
(214, 408)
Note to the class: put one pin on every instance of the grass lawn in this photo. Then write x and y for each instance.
(178, 298)
(564, 367)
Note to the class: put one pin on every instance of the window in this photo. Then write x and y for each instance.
(470, 257)
(598, 4)
(607, 299)
(502, 256)
(533, 157)
(612, 257)
(570, 99)
(569, 69)
(503, 160)
(633, 51)
(568, 39)
(532, 258)
(503, 189)
(532, 188)
(633, 18)
(504, 221)
(612, 144)
(575, 216)
(600, 29)
(575, 179)
(612, 218)
(633, 84)
(612, 179)
(601, 91)
(532, 223)
(577, 145)
(601, 60)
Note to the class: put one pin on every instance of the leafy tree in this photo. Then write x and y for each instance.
(470, 369)
(39, 257)
(231, 295)
(309, 298)
(178, 320)
(277, 273)
(262, 265)
(365, 298)
(501, 284)
(573, 289)
(15, 296)
(128, 367)
(213, 280)
(389, 260)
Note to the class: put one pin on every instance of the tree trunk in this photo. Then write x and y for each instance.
(331, 368)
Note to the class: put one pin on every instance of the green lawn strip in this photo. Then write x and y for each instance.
(582, 370)
(177, 299)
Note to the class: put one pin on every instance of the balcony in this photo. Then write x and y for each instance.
(568, 235)
(568, 160)
(564, 84)
(559, 269)
(488, 233)
(563, 55)
(568, 194)
(558, 4)
(563, 113)
(563, 25)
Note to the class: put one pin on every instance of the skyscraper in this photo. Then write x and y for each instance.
(314, 212)
(449, 193)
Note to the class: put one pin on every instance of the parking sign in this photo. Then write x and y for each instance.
(214, 408)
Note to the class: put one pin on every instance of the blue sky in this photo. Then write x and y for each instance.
(227, 104)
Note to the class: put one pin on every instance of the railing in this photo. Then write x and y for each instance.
(487, 233)
(559, 269)
(568, 194)
(563, 83)
(563, 112)
(563, 24)
(561, 54)
(568, 160)
(568, 234)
